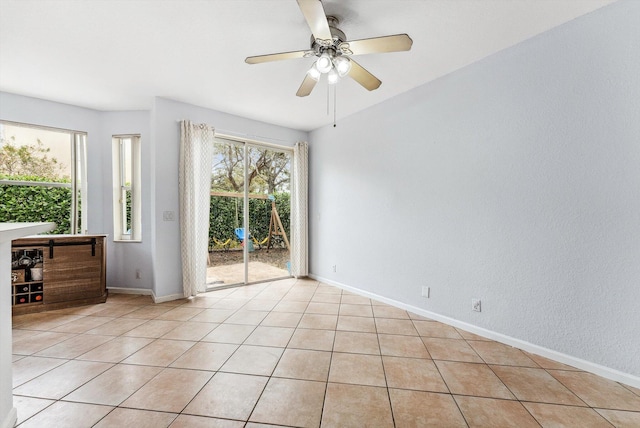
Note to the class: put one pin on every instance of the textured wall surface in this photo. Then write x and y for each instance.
(166, 138)
(515, 180)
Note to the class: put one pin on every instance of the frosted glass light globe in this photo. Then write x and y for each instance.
(324, 64)
(314, 73)
(342, 65)
(333, 77)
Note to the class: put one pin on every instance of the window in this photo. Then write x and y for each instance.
(43, 176)
(126, 188)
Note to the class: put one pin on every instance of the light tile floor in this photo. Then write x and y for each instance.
(289, 353)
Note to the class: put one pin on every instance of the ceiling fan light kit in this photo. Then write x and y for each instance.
(331, 48)
(333, 66)
(342, 65)
(324, 63)
(314, 73)
(332, 77)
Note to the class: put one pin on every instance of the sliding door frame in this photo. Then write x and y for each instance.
(247, 143)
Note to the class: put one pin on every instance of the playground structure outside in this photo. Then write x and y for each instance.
(268, 258)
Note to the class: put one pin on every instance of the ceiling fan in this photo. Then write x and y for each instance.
(333, 51)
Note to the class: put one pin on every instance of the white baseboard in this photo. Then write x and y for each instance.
(146, 292)
(11, 418)
(168, 298)
(125, 290)
(606, 372)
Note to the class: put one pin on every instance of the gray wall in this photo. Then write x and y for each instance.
(515, 180)
(157, 257)
(166, 130)
(125, 258)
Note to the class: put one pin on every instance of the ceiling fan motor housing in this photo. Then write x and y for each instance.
(332, 47)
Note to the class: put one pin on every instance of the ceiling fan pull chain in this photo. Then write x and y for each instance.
(328, 98)
(335, 103)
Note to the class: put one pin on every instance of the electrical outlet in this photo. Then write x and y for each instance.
(138, 274)
(335, 268)
(168, 216)
(476, 305)
(425, 291)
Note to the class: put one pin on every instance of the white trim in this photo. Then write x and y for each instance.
(120, 164)
(245, 209)
(125, 290)
(43, 127)
(168, 298)
(254, 143)
(606, 372)
(35, 183)
(11, 418)
(145, 292)
(80, 150)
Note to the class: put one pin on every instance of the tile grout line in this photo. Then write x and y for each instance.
(297, 327)
(270, 376)
(213, 372)
(466, 421)
(516, 397)
(384, 371)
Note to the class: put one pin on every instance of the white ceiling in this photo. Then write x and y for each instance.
(120, 54)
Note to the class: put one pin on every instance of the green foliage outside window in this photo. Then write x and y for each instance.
(35, 204)
(226, 214)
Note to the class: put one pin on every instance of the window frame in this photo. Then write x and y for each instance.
(120, 188)
(79, 198)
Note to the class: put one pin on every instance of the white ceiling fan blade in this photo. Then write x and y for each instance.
(395, 43)
(313, 12)
(363, 77)
(307, 86)
(276, 57)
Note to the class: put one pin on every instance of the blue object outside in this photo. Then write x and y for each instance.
(240, 233)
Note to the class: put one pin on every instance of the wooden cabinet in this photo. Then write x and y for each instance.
(73, 272)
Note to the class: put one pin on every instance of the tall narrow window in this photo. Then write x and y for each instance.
(126, 188)
(43, 176)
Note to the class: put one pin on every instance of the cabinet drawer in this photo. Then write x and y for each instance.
(65, 294)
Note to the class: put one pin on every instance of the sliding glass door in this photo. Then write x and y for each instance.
(250, 214)
(269, 214)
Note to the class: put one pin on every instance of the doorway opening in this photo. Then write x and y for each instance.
(250, 191)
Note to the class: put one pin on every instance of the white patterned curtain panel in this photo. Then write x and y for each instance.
(196, 159)
(299, 211)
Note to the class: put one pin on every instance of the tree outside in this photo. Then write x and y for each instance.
(269, 174)
(268, 170)
(30, 160)
(24, 157)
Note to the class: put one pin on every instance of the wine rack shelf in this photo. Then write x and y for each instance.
(26, 276)
(57, 272)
